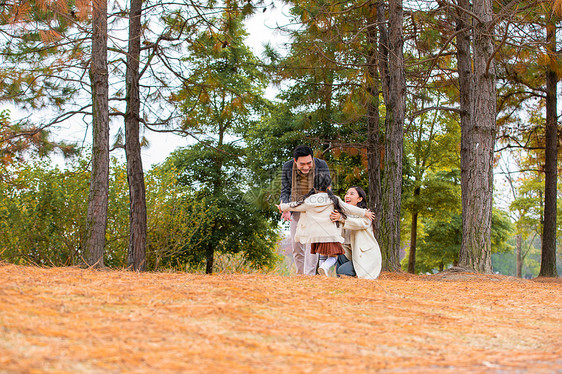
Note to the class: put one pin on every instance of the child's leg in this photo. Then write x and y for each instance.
(321, 259)
(324, 269)
(330, 261)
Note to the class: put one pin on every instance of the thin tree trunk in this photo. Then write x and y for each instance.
(414, 236)
(392, 180)
(373, 123)
(518, 258)
(383, 50)
(478, 148)
(135, 175)
(210, 259)
(548, 247)
(96, 220)
(464, 66)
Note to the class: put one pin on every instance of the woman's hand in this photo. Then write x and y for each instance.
(370, 215)
(335, 216)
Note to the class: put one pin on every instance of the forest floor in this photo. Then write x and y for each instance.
(70, 320)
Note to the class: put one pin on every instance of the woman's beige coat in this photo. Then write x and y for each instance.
(365, 252)
(315, 225)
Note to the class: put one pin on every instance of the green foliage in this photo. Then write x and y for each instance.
(117, 231)
(527, 207)
(224, 88)
(174, 218)
(432, 165)
(222, 99)
(42, 210)
(529, 204)
(502, 229)
(506, 262)
(207, 167)
(440, 245)
(431, 171)
(438, 203)
(323, 101)
(43, 213)
(233, 222)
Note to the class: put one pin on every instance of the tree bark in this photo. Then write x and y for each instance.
(96, 220)
(477, 147)
(464, 66)
(135, 174)
(518, 258)
(210, 259)
(395, 111)
(383, 50)
(373, 123)
(548, 247)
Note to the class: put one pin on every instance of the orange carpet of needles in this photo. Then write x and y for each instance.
(69, 320)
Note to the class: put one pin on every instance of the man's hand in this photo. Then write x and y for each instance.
(286, 216)
(370, 215)
(335, 216)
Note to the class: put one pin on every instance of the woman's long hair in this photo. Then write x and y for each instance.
(363, 195)
(363, 204)
(322, 182)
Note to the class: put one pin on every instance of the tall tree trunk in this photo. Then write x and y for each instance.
(414, 235)
(392, 179)
(548, 247)
(96, 220)
(373, 122)
(464, 62)
(135, 175)
(518, 258)
(477, 147)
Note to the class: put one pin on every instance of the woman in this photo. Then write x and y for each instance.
(362, 253)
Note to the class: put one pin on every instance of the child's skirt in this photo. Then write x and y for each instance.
(327, 249)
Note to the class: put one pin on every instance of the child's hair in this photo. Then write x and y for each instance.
(322, 182)
(363, 195)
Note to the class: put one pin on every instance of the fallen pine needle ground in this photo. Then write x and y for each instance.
(70, 320)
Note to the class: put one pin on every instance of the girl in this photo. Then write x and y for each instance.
(362, 253)
(316, 227)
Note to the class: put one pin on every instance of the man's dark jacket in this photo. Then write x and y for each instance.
(320, 166)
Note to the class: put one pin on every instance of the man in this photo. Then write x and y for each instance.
(297, 179)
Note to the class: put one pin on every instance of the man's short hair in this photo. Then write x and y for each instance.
(302, 151)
